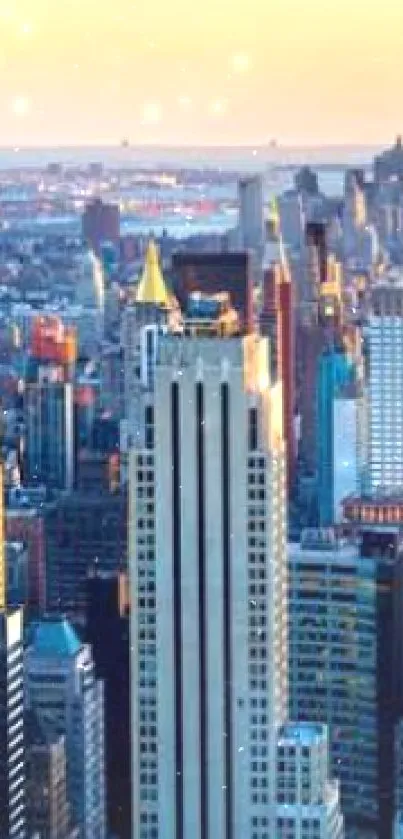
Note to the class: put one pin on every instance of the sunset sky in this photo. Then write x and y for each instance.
(218, 71)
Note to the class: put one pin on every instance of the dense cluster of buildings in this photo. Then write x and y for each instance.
(201, 554)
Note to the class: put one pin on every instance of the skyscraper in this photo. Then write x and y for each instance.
(345, 660)
(348, 446)
(292, 219)
(251, 223)
(100, 223)
(277, 320)
(316, 254)
(12, 757)
(62, 690)
(308, 804)
(108, 633)
(208, 576)
(335, 370)
(385, 387)
(49, 455)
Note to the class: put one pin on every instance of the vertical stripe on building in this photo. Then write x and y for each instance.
(177, 603)
(227, 611)
(201, 547)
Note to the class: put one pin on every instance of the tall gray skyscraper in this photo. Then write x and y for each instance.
(208, 575)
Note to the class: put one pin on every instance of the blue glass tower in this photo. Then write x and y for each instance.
(63, 691)
(335, 371)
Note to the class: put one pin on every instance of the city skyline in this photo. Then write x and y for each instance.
(89, 73)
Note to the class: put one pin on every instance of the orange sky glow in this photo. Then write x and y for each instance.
(214, 72)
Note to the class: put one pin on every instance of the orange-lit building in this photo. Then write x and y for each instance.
(277, 321)
(373, 511)
(52, 341)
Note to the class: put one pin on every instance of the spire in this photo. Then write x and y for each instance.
(152, 288)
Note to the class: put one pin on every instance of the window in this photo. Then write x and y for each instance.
(253, 429)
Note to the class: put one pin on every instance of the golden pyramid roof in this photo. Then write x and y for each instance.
(152, 288)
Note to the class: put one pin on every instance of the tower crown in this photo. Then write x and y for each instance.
(152, 288)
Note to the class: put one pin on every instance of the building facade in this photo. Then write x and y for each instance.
(385, 388)
(61, 689)
(100, 223)
(207, 489)
(49, 420)
(83, 530)
(277, 320)
(251, 224)
(308, 804)
(335, 371)
(12, 740)
(12, 754)
(345, 661)
(107, 630)
(398, 786)
(48, 808)
(348, 447)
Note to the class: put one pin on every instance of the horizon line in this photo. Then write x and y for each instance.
(273, 147)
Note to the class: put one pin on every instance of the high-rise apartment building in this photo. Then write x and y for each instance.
(208, 577)
(385, 388)
(63, 692)
(308, 804)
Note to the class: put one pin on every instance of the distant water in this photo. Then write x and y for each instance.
(278, 166)
(225, 157)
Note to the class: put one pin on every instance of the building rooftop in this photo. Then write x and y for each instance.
(303, 732)
(328, 540)
(55, 637)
